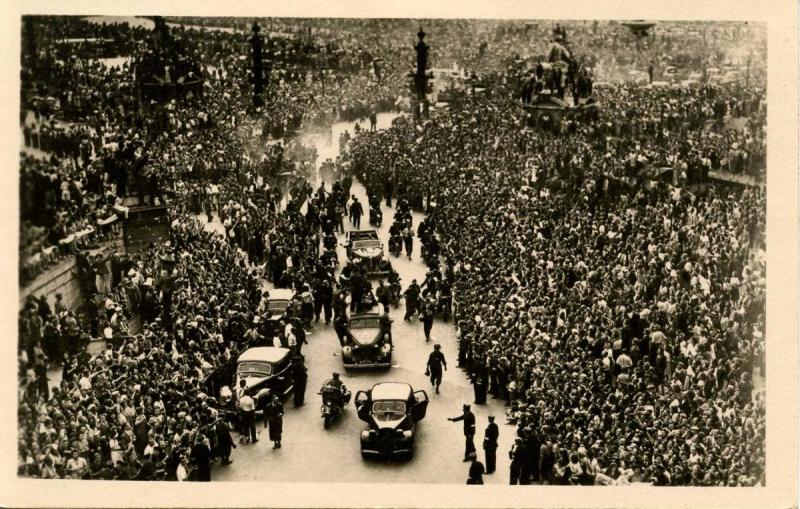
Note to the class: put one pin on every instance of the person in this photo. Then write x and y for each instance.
(408, 241)
(356, 211)
(76, 465)
(247, 407)
(412, 296)
(490, 436)
(225, 443)
(478, 376)
(476, 471)
(469, 431)
(341, 328)
(386, 326)
(273, 419)
(515, 455)
(299, 377)
(201, 458)
(434, 367)
(336, 382)
(426, 317)
(182, 470)
(382, 294)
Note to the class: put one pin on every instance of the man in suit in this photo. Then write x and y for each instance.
(201, 458)
(356, 211)
(300, 377)
(225, 441)
(490, 436)
(469, 431)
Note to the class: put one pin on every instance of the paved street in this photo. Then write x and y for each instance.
(312, 454)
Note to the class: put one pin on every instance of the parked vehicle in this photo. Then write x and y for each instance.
(392, 411)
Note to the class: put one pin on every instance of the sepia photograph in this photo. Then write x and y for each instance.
(393, 250)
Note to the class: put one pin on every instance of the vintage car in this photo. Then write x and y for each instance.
(391, 411)
(279, 300)
(367, 345)
(266, 371)
(364, 246)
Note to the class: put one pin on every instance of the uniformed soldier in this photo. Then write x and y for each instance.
(340, 326)
(469, 432)
(490, 436)
(434, 367)
(412, 296)
(382, 294)
(515, 455)
(299, 377)
(426, 316)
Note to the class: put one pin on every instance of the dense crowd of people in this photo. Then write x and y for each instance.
(620, 317)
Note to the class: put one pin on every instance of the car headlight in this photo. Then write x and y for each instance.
(386, 348)
(407, 434)
(364, 435)
(346, 351)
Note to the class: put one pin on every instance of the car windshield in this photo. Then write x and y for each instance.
(278, 306)
(252, 368)
(388, 410)
(365, 323)
(361, 244)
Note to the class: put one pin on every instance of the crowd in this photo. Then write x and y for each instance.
(620, 318)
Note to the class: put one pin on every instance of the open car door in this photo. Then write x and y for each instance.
(420, 407)
(363, 405)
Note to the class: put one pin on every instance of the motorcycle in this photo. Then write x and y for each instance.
(396, 245)
(334, 400)
(375, 216)
(330, 258)
(394, 289)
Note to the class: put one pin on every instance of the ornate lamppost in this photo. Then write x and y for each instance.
(421, 77)
(257, 42)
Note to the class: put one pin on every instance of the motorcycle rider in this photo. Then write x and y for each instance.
(394, 287)
(342, 392)
(396, 238)
(408, 240)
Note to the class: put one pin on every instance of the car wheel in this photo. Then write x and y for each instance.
(364, 456)
(326, 422)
